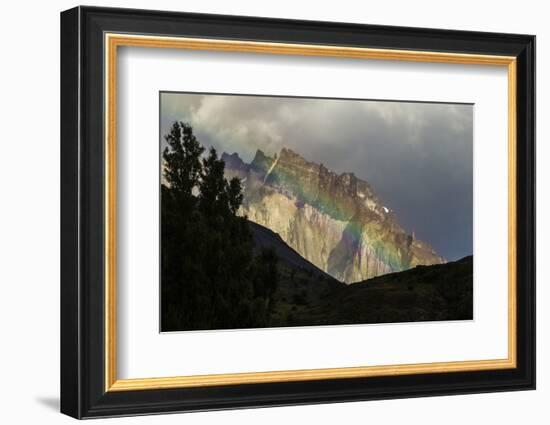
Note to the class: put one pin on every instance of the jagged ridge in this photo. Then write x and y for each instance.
(335, 221)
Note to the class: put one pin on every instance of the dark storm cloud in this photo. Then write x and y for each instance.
(416, 156)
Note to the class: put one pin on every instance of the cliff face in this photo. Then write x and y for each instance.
(334, 221)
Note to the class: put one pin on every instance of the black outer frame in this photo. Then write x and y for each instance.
(82, 212)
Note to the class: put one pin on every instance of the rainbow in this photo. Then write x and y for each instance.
(313, 184)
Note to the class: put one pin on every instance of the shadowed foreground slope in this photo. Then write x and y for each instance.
(308, 296)
(424, 293)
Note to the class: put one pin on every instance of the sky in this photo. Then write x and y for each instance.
(418, 157)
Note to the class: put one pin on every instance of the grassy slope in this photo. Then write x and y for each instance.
(308, 296)
(439, 292)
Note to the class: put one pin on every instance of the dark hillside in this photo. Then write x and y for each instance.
(308, 296)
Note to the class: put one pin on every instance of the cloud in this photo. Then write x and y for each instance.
(417, 156)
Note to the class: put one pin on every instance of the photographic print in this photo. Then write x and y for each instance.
(217, 232)
(289, 211)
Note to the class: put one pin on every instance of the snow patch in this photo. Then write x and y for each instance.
(386, 210)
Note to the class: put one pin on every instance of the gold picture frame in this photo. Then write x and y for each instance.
(114, 41)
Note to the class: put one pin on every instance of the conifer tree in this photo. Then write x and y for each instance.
(210, 276)
(182, 166)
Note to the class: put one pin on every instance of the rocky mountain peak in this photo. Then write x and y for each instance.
(335, 221)
(289, 155)
(234, 161)
(261, 162)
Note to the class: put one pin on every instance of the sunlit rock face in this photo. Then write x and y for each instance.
(334, 221)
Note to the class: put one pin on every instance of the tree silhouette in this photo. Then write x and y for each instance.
(182, 169)
(210, 275)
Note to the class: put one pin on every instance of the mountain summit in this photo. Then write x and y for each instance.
(335, 221)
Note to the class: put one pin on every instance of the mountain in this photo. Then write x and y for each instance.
(334, 221)
(307, 296)
(265, 238)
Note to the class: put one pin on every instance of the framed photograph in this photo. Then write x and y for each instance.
(261, 212)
